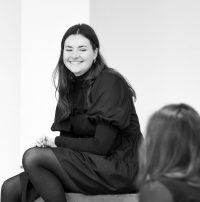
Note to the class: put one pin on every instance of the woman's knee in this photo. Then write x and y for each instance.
(30, 157)
(8, 187)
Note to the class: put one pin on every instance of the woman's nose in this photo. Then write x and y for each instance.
(75, 54)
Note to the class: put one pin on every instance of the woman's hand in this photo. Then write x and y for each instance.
(50, 142)
(40, 142)
(45, 142)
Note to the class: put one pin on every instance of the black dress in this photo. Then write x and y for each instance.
(111, 104)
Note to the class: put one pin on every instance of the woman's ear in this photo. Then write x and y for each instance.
(95, 54)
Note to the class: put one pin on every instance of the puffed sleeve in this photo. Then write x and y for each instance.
(111, 101)
(60, 123)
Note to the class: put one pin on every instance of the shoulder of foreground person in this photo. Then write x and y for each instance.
(155, 192)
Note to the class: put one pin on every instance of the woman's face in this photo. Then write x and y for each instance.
(78, 54)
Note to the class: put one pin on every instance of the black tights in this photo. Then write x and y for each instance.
(44, 172)
(11, 190)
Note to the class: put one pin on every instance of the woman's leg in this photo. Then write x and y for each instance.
(45, 173)
(11, 190)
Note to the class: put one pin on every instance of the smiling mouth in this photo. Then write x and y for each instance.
(75, 62)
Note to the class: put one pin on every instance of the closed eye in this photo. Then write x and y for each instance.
(68, 50)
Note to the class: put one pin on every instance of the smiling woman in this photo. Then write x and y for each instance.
(96, 151)
(78, 54)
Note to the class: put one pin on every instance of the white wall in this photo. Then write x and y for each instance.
(9, 86)
(156, 45)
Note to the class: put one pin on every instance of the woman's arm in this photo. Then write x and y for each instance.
(155, 192)
(100, 144)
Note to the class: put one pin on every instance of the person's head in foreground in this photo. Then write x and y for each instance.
(172, 145)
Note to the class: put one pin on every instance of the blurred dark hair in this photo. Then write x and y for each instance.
(172, 145)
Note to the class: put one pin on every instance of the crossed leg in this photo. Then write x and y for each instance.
(45, 173)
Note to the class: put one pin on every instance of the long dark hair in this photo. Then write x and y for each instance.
(63, 78)
(171, 146)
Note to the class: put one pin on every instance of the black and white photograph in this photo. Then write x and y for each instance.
(100, 100)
